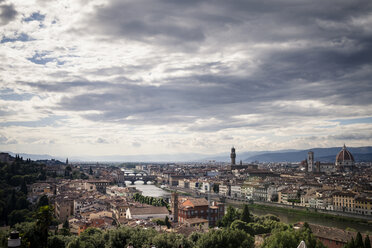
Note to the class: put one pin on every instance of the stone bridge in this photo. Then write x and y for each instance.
(139, 176)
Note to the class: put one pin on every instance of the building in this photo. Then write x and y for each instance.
(345, 160)
(287, 196)
(147, 212)
(236, 191)
(331, 237)
(233, 156)
(310, 161)
(174, 201)
(119, 210)
(63, 208)
(199, 208)
(224, 189)
(344, 201)
(197, 222)
(363, 205)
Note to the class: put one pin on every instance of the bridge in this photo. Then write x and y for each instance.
(138, 176)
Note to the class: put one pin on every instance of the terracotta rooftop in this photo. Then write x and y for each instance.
(148, 210)
(195, 202)
(196, 220)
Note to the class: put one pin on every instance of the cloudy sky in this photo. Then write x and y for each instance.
(102, 77)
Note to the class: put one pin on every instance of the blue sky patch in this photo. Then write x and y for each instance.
(36, 16)
(22, 37)
(41, 59)
(353, 121)
(10, 95)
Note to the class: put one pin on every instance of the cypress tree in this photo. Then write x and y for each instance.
(367, 242)
(246, 214)
(24, 187)
(359, 241)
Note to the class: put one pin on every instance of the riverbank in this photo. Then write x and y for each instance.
(310, 213)
(292, 216)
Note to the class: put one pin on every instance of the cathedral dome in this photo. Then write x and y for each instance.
(345, 158)
(344, 155)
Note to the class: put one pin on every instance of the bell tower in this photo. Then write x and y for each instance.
(232, 156)
(174, 204)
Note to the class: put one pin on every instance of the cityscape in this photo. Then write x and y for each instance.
(333, 199)
(182, 124)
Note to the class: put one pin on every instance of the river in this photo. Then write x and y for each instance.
(293, 218)
(149, 189)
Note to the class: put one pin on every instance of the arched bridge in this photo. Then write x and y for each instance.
(138, 176)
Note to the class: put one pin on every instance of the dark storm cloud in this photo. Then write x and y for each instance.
(7, 13)
(306, 50)
(145, 21)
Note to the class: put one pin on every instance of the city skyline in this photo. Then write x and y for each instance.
(128, 77)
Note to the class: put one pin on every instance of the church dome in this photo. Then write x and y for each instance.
(344, 156)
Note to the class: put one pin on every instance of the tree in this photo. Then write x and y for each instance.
(90, 171)
(367, 242)
(231, 215)
(171, 240)
(216, 188)
(65, 231)
(359, 241)
(29, 233)
(167, 223)
(246, 216)
(227, 238)
(18, 216)
(43, 201)
(44, 218)
(24, 187)
(194, 237)
(290, 238)
(59, 241)
(241, 225)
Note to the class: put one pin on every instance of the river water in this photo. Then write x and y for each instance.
(293, 218)
(149, 189)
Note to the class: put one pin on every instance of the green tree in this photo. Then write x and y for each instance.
(29, 233)
(167, 223)
(119, 238)
(246, 215)
(59, 241)
(18, 216)
(24, 187)
(241, 225)
(367, 242)
(194, 237)
(359, 241)
(92, 237)
(216, 188)
(231, 215)
(291, 238)
(227, 238)
(44, 218)
(65, 231)
(43, 201)
(171, 240)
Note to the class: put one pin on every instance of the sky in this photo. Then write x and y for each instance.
(104, 77)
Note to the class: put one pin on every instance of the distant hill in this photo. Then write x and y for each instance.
(361, 154)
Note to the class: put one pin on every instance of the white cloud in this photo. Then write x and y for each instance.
(89, 79)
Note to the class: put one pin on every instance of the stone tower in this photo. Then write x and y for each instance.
(310, 161)
(232, 156)
(174, 201)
